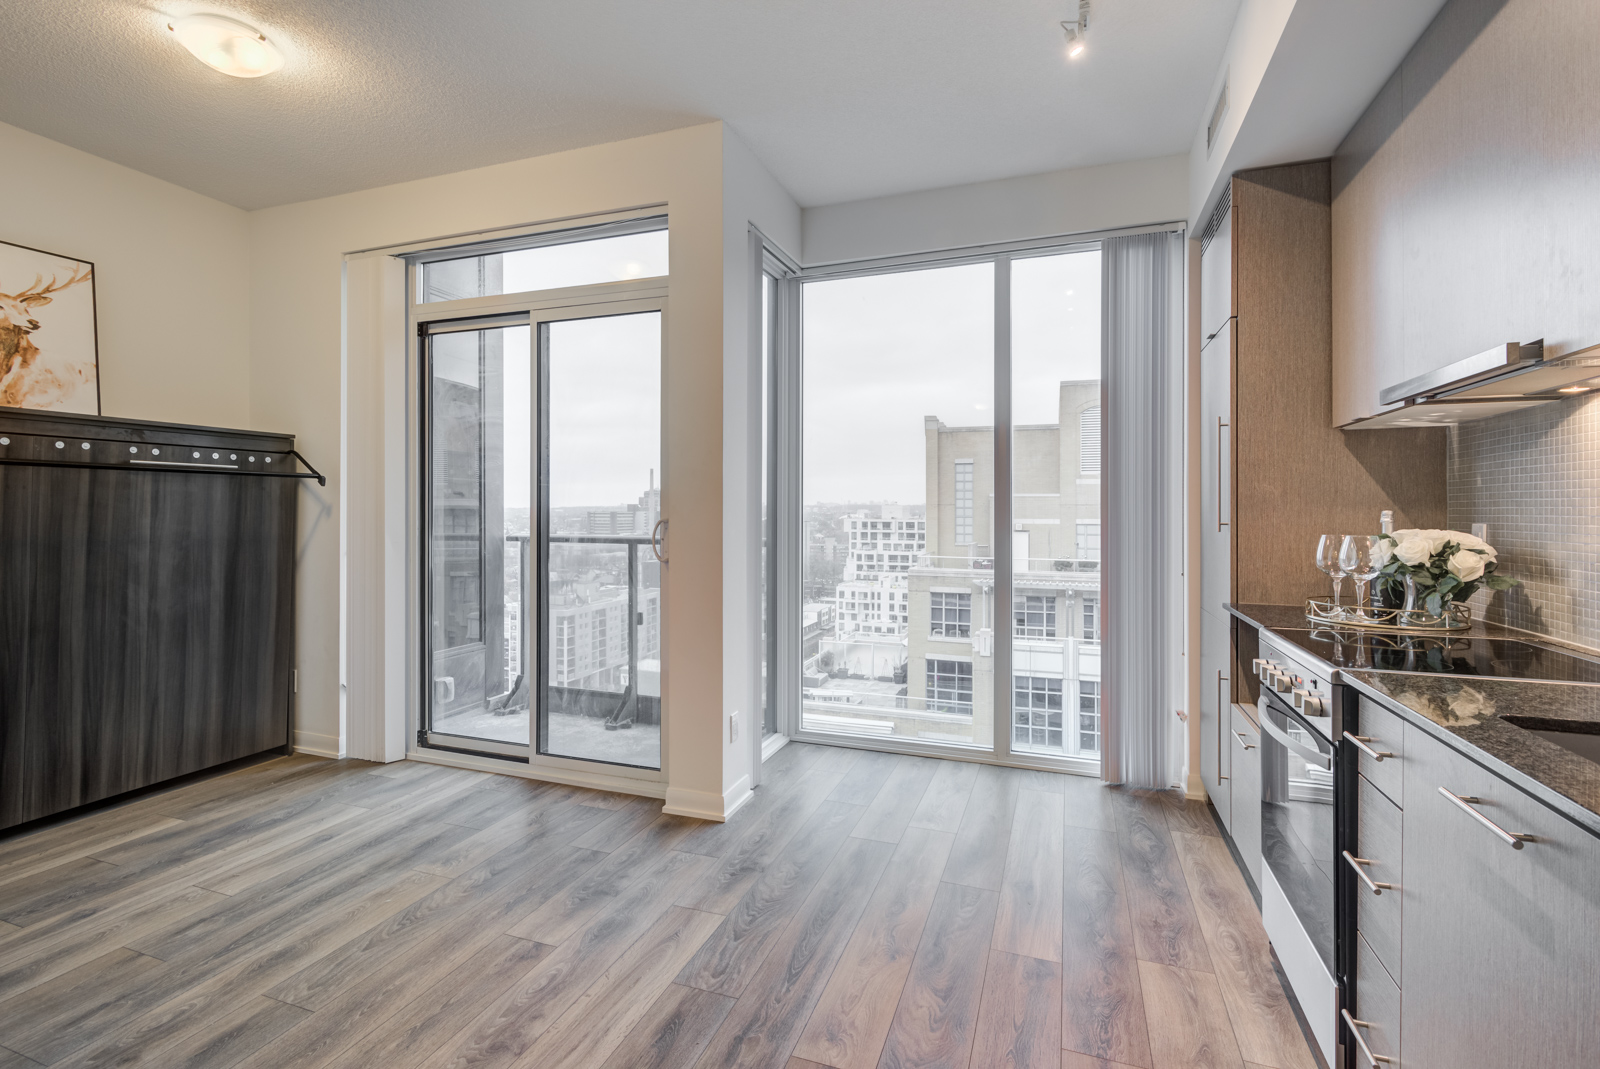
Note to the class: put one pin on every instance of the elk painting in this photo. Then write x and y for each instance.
(48, 355)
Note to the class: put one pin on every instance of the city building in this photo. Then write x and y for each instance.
(1055, 539)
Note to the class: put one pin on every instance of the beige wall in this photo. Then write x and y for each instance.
(298, 256)
(172, 276)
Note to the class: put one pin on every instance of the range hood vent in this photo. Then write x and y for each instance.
(1503, 379)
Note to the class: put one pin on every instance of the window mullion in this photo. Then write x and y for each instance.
(1004, 581)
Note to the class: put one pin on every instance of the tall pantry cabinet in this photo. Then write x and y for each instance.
(1275, 471)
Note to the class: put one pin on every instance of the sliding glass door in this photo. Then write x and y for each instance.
(950, 580)
(480, 421)
(600, 520)
(539, 494)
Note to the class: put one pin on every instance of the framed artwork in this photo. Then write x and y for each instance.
(49, 346)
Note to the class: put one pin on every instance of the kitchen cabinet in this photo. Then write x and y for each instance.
(1463, 209)
(1215, 712)
(1216, 467)
(1275, 474)
(1244, 740)
(1499, 944)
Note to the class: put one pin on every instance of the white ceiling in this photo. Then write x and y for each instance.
(842, 99)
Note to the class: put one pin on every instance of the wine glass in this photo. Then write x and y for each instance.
(1328, 547)
(1358, 556)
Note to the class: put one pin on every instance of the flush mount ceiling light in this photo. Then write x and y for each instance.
(227, 45)
(1077, 30)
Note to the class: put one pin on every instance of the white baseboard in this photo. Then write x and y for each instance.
(316, 745)
(704, 805)
(569, 777)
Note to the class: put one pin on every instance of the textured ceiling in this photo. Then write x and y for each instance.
(842, 99)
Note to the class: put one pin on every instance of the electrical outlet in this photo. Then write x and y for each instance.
(733, 727)
(1480, 530)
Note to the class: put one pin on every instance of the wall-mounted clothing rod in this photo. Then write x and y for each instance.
(176, 465)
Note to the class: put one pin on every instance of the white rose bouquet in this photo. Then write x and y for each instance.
(1443, 566)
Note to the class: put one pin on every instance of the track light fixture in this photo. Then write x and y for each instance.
(1077, 30)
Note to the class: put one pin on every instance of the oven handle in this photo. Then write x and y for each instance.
(1316, 757)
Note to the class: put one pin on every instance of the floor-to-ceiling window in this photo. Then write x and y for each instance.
(949, 589)
(1055, 503)
(898, 477)
(541, 495)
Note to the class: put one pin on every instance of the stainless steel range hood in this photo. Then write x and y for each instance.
(1503, 379)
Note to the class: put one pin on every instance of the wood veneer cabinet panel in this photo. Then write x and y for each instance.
(146, 621)
(1295, 475)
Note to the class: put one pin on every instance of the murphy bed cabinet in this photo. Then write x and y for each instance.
(146, 604)
(1480, 955)
(1275, 471)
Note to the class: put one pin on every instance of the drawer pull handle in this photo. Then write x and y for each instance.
(1373, 886)
(1355, 1031)
(1361, 741)
(1247, 745)
(1461, 802)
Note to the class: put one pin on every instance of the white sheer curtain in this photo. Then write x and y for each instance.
(1142, 506)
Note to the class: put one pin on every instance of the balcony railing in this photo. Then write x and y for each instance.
(620, 709)
(1046, 565)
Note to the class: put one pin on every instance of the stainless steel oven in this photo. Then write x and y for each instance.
(1300, 713)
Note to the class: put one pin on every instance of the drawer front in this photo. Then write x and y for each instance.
(1386, 733)
(1245, 738)
(1377, 1008)
(1378, 914)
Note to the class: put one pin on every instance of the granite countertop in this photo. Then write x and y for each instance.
(1469, 713)
(1472, 711)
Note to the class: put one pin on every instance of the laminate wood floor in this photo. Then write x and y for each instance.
(863, 910)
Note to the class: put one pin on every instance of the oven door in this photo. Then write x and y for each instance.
(1297, 818)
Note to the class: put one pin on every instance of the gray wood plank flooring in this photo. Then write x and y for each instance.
(864, 911)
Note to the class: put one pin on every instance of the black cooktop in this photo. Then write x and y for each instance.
(1443, 655)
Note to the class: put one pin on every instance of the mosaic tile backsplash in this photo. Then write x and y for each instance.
(1534, 477)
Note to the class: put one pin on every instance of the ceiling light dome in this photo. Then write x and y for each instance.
(227, 45)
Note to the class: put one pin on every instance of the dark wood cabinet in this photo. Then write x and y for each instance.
(146, 605)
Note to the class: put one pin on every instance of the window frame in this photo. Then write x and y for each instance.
(791, 416)
(532, 308)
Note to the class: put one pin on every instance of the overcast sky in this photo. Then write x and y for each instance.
(884, 351)
(881, 353)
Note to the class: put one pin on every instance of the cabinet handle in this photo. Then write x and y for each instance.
(1221, 523)
(1361, 744)
(1220, 680)
(1247, 745)
(1356, 863)
(1510, 838)
(1355, 1032)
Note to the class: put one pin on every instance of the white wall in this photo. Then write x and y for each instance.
(1078, 201)
(172, 277)
(298, 259)
(750, 195)
(1299, 73)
